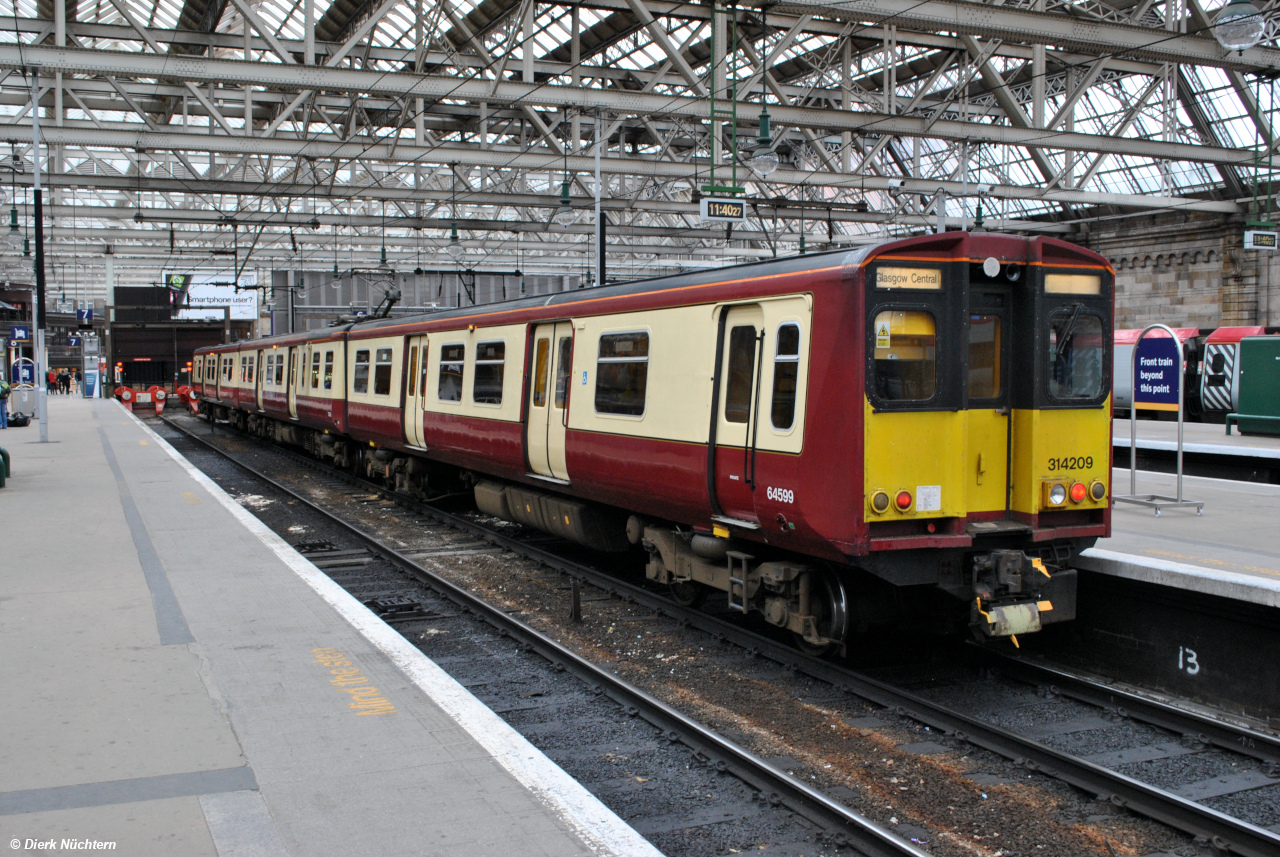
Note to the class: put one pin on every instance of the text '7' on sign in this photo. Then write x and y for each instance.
(724, 210)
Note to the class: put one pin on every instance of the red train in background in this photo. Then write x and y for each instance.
(919, 427)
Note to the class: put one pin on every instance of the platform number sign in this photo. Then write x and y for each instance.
(882, 333)
(1187, 661)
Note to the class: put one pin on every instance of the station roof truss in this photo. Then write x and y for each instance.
(305, 134)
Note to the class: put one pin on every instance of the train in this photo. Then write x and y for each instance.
(917, 430)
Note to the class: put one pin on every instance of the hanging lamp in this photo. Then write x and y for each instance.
(454, 248)
(764, 160)
(565, 215)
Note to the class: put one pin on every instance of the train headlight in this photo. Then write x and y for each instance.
(1057, 494)
(879, 502)
(903, 501)
(1097, 490)
(1078, 492)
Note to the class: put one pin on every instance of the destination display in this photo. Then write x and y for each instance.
(908, 278)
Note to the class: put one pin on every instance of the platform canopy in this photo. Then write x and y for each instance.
(308, 134)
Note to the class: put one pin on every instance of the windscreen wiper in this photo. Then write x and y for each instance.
(1065, 336)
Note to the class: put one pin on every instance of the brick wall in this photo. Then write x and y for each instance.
(1188, 270)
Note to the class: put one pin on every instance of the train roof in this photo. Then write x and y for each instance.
(1233, 334)
(944, 246)
(1129, 336)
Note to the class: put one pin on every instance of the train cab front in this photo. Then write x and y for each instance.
(987, 421)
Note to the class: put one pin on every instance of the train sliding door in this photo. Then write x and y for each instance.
(294, 379)
(549, 400)
(737, 412)
(986, 338)
(415, 391)
(258, 379)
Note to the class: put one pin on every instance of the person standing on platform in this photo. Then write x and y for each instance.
(52, 382)
(4, 403)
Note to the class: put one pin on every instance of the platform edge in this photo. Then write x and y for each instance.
(599, 828)
(1225, 584)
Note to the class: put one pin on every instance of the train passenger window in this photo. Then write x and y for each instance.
(786, 370)
(413, 370)
(244, 368)
(540, 373)
(490, 365)
(328, 370)
(252, 360)
(742, 369)
(360, 378)
(315, 370)
(452, 358)
(423, 376)
(564, 365)
(984, 356)
(1075, 354)
(905, 355)
(382, 373)
(622, 373)
(279, 370)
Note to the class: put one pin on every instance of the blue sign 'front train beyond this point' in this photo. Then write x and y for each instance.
(1157, 372)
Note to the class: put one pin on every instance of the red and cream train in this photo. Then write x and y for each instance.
(919, 426)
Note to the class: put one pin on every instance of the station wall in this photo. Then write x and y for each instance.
(1188, 270)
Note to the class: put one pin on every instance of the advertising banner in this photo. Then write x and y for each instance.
(207, 292)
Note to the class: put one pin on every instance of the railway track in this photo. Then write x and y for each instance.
(1222, 831)
(845, 828)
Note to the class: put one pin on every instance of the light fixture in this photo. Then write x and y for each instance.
(454, 248)
(565, 215)
(337, 279)
(765, 160)
(1239, 25)
(14, 237)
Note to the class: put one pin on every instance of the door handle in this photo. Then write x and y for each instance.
(1004, 412)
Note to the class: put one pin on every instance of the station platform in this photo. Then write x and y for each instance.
(1229, 550)
(182, 682)
(1197, 438)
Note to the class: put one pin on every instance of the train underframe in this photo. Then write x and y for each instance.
(1001, 587)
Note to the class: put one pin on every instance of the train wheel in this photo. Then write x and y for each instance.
(829, 604)
(689, 593)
